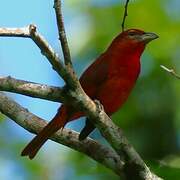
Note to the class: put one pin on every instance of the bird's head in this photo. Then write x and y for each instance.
(132, 41)
(137, 36)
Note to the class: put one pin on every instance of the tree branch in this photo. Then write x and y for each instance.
(125, 14)
(34, 124)
(31, 89)
(134, 165)
(62, 33)
(15, 32)
(171, 71)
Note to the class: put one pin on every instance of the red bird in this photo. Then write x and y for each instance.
(109, 79)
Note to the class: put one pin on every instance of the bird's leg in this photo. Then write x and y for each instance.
(88, 128)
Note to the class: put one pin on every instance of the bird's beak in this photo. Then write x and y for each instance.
(148, 36)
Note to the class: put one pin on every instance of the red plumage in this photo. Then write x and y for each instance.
(109, 79)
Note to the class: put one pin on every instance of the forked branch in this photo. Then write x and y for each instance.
(32, 33)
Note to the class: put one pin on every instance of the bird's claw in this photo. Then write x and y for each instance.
(99, 106)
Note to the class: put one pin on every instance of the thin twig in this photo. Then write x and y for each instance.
(15, 32)
(62, 33)
(171, 71)
(104, 155)
(125, 14)
(31, 89)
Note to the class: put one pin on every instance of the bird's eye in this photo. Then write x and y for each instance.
(131, 33)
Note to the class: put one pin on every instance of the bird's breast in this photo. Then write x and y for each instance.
(115, 91)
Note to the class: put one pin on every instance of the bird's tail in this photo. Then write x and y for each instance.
(54, 125)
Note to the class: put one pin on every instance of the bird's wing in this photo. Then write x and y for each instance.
(95, 75)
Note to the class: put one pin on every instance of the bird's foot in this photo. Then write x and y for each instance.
(99, 106)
